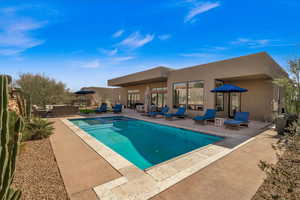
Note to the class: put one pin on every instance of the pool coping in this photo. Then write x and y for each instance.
(144, 184)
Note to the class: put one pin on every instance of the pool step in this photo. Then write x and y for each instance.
(97, 127)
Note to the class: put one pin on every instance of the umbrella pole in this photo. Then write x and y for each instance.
(229, 105)
(240, 102)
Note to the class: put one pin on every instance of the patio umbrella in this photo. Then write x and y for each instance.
(84, 93)
(228, 88)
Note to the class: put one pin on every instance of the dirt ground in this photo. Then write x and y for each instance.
(37, 174)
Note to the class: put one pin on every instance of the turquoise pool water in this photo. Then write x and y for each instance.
(144, 144)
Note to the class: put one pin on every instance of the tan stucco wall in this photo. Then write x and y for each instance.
(254, 72)
(259, 98)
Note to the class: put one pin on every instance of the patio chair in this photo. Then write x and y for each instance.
(102, 108)
(179, 114)
(210, 114)
(163, 112)
(117, 108)
(240, 118)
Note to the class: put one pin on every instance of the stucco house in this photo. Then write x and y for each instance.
(191, 86)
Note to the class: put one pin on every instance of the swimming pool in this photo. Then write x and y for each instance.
(144, 144)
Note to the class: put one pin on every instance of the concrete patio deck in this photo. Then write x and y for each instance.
(87, 170)
(235, 176)
(80, 167)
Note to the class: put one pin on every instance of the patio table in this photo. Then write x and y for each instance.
(219, 121)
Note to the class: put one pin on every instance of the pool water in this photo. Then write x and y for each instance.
(144, 144)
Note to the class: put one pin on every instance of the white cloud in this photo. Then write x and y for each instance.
(164, 37)
(136, 40)
(91, 64)
(111, 52)
(119, 33)
(197, 55)
(252, 43)
(198, 8)
(15, 32)
(121, 59)
(9, 52)
(220, 48)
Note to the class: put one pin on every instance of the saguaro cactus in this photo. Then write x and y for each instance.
(8, 149)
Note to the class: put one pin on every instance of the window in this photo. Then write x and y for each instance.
(195, 95)
(179, 94)
(159, 96)
(189, 94)
(219, 97)
(133, 97)
(235, 103)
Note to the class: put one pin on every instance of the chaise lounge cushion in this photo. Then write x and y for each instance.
(162, 112)
(180, 113)
(239, 118)
(209, 114)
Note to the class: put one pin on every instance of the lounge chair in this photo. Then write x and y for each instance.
(240, 118)
(117, 108)
(210, 114)
(179, 114)
(163, 112)
(102, 108)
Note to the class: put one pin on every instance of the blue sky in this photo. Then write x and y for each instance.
(84, 43)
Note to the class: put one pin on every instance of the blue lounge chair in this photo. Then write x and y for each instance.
(164, 111)
(240, 118)
(179, 114)
(102, 108)
(117, 108)
(210, 114)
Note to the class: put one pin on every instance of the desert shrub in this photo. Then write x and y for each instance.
(39, 128)
(283, 178)
(43, 90)
(87, 111)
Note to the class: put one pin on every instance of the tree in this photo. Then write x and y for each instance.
(291, 87)
(43, 90)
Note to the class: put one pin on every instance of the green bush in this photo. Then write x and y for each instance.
(87, 111)
(39, 128)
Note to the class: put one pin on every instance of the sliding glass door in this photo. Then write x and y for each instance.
(235, 103)
(133, 98)
(159, 97)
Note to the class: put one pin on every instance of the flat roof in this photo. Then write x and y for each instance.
(161, 73)
(156, 74)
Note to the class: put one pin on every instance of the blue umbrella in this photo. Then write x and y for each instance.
(83, 92)
(228, 88)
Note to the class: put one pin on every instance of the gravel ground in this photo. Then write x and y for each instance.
(37, 174)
